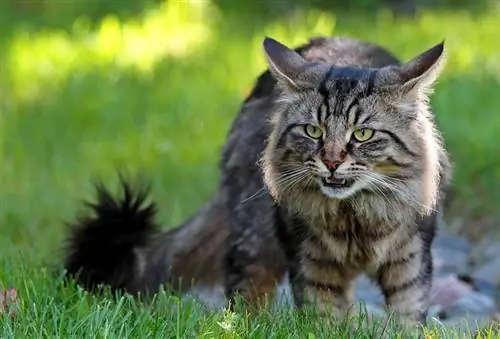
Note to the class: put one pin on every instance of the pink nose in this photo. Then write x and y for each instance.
(331, 165)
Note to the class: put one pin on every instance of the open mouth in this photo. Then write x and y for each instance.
(337, 182)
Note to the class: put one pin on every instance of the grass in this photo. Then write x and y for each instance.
(154, 94)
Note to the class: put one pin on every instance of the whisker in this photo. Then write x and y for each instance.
(284, 179)
(293, 179)
(255, 195)
(378, 190)
(394, 186)
(290, 172)
(296, 179)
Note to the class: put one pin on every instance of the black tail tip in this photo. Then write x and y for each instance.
(102, 245)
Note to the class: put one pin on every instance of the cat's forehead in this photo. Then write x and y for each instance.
(342, 98)
(349, 73)
(347, 81)
(339, 91)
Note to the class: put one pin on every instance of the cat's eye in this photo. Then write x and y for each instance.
(363, 134)
(313, 131)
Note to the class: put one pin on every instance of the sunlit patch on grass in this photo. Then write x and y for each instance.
(41, 61)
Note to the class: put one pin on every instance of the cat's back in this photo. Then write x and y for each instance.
(343, 51)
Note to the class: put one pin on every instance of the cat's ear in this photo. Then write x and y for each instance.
(417, 75)
(285, 64)
(422, 71)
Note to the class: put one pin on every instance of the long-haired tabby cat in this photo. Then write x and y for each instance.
(334, 167)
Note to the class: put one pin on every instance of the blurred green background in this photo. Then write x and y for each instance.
(150, 87)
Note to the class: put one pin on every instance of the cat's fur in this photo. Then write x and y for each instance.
(257, 230)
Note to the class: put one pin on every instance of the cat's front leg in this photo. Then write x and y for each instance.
(327, 284)
(405, 280)
(328, 299)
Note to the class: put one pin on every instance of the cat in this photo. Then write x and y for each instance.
(333, 167)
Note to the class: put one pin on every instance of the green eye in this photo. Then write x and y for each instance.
(363, 134)
(313, 131)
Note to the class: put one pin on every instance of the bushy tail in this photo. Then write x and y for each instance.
(104, 246)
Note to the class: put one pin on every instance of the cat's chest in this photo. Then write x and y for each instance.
(354, 242)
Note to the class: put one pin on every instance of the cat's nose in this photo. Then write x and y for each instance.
(332, 157)
(331, 165)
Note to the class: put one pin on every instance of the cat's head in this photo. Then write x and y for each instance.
(340, 131)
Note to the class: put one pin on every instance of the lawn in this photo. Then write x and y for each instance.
(154, 94)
